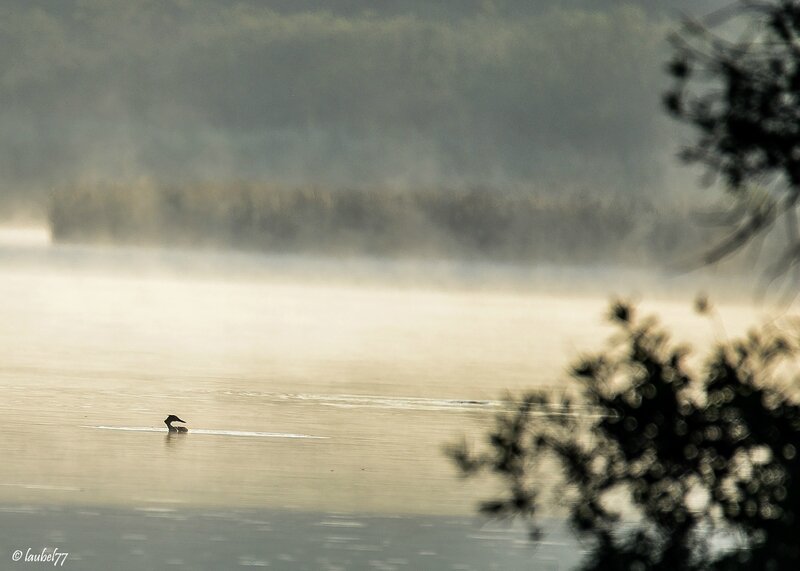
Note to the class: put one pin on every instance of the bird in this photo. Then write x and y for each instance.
(172, 418)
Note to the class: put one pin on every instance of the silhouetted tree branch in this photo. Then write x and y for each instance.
(667, 462)
(736, 81)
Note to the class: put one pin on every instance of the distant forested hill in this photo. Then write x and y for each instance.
(346, 93)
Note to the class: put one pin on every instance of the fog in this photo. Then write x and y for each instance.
(550, 96)
(330, 236)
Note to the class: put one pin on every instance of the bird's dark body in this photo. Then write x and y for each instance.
(172, 418)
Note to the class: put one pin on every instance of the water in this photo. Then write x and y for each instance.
(310, 388)
(286, 540)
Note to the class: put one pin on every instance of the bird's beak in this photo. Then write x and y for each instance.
(179, 420)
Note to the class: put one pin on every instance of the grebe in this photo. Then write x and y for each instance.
(172, 418)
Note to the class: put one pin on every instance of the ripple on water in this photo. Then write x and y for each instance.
(214, 432)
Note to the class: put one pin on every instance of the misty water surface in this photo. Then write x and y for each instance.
(98, 346)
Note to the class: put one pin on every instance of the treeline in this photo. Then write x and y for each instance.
(478, 223)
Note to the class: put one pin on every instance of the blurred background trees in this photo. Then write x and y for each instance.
(475, 224)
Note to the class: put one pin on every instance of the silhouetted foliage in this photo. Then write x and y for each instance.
(659, 468)
(737, 82)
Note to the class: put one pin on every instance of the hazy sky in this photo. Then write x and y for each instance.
(546, 94)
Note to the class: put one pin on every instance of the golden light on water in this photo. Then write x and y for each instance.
(387, 374)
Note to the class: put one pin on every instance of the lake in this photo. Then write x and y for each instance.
(318, 393)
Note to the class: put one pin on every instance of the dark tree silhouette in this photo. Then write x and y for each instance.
(737, 82)
(665, 467)
(674, 470)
